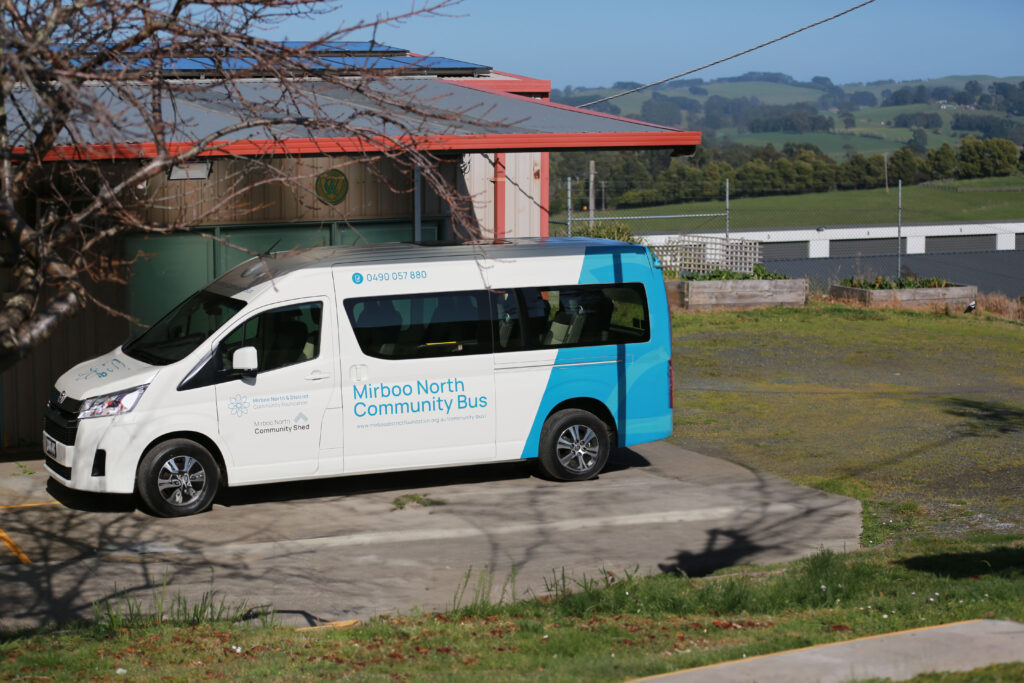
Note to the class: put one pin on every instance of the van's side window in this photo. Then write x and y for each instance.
(453, 323)
(508, 323)
(282, 337)
(585, 315)
(421, 325)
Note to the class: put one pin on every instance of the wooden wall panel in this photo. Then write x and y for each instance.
(378, 190)
(477, 183)
(522, 194)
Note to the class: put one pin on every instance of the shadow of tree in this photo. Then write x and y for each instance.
(723, 548)
(98, 548)
(980, 419)
(986, 417)
(1003, 561)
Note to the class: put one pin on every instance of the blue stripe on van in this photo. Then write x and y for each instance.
(631, 380)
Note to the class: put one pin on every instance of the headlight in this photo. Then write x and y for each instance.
(118, 403)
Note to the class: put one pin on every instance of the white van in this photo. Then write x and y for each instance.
(347, 360)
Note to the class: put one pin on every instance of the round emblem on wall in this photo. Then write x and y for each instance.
(331, 186)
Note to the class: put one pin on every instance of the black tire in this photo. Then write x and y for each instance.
(574, 445)
(177, 477)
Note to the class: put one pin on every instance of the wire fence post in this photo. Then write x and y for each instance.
(590, 201)
(726, 208)
(899, 229)
(568, 213)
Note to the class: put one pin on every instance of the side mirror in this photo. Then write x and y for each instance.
(244, 361)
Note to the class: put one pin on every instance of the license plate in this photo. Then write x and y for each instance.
(50, 447)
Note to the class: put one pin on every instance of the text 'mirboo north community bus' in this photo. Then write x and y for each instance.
(348, 360)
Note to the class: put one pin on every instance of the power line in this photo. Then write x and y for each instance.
(726, 59)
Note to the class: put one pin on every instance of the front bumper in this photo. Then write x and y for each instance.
(86, 455)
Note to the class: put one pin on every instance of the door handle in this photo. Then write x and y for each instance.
(317, 375)
(357, 373)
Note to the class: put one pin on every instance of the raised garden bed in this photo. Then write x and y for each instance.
(916, 297)
(703, 295)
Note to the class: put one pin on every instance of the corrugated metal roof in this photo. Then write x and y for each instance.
(430, 113)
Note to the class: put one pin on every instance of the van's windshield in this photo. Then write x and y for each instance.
(187, 326)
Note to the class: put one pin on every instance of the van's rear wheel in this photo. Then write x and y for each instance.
(177, 478)
(574, 445)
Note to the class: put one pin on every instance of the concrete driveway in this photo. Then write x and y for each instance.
(339, 549)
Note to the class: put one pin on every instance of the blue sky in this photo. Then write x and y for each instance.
(602, 41)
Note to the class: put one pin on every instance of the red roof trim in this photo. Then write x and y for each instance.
(513, 83)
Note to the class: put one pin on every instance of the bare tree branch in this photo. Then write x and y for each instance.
(100, 97)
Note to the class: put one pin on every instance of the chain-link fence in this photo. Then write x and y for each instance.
(958, 232)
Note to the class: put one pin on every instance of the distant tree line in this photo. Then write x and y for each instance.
(999, 96)
(798, 118)
(919, 119)
(749, 114)
(652, 177)
(990, 126)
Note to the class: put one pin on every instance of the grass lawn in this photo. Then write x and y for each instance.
(871, 133)
(920, 415)
(962, 201)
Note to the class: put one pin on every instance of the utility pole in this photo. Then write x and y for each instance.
(899, 232)
(593, 172)
(885, 163)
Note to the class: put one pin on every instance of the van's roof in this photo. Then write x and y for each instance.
(263, 268)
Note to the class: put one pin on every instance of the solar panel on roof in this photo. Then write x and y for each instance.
(440, 63)
(340, 55)
(345, 47)
(348, 63)
(406, 63)
(206, 64)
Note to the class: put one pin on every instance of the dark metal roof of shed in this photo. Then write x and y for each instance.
(429, 113)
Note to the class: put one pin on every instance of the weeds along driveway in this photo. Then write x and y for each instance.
(363, 546)
(919, 413)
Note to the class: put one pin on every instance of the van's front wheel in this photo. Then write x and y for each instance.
(574, 445)
(177, 477)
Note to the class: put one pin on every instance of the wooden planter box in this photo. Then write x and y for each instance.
(702, 295)
(955, 295)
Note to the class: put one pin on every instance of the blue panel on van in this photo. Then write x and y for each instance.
(635, 385)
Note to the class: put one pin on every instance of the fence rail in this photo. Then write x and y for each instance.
(702, 254)
(829, 236)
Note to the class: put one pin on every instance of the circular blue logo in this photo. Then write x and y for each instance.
(357, 278)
